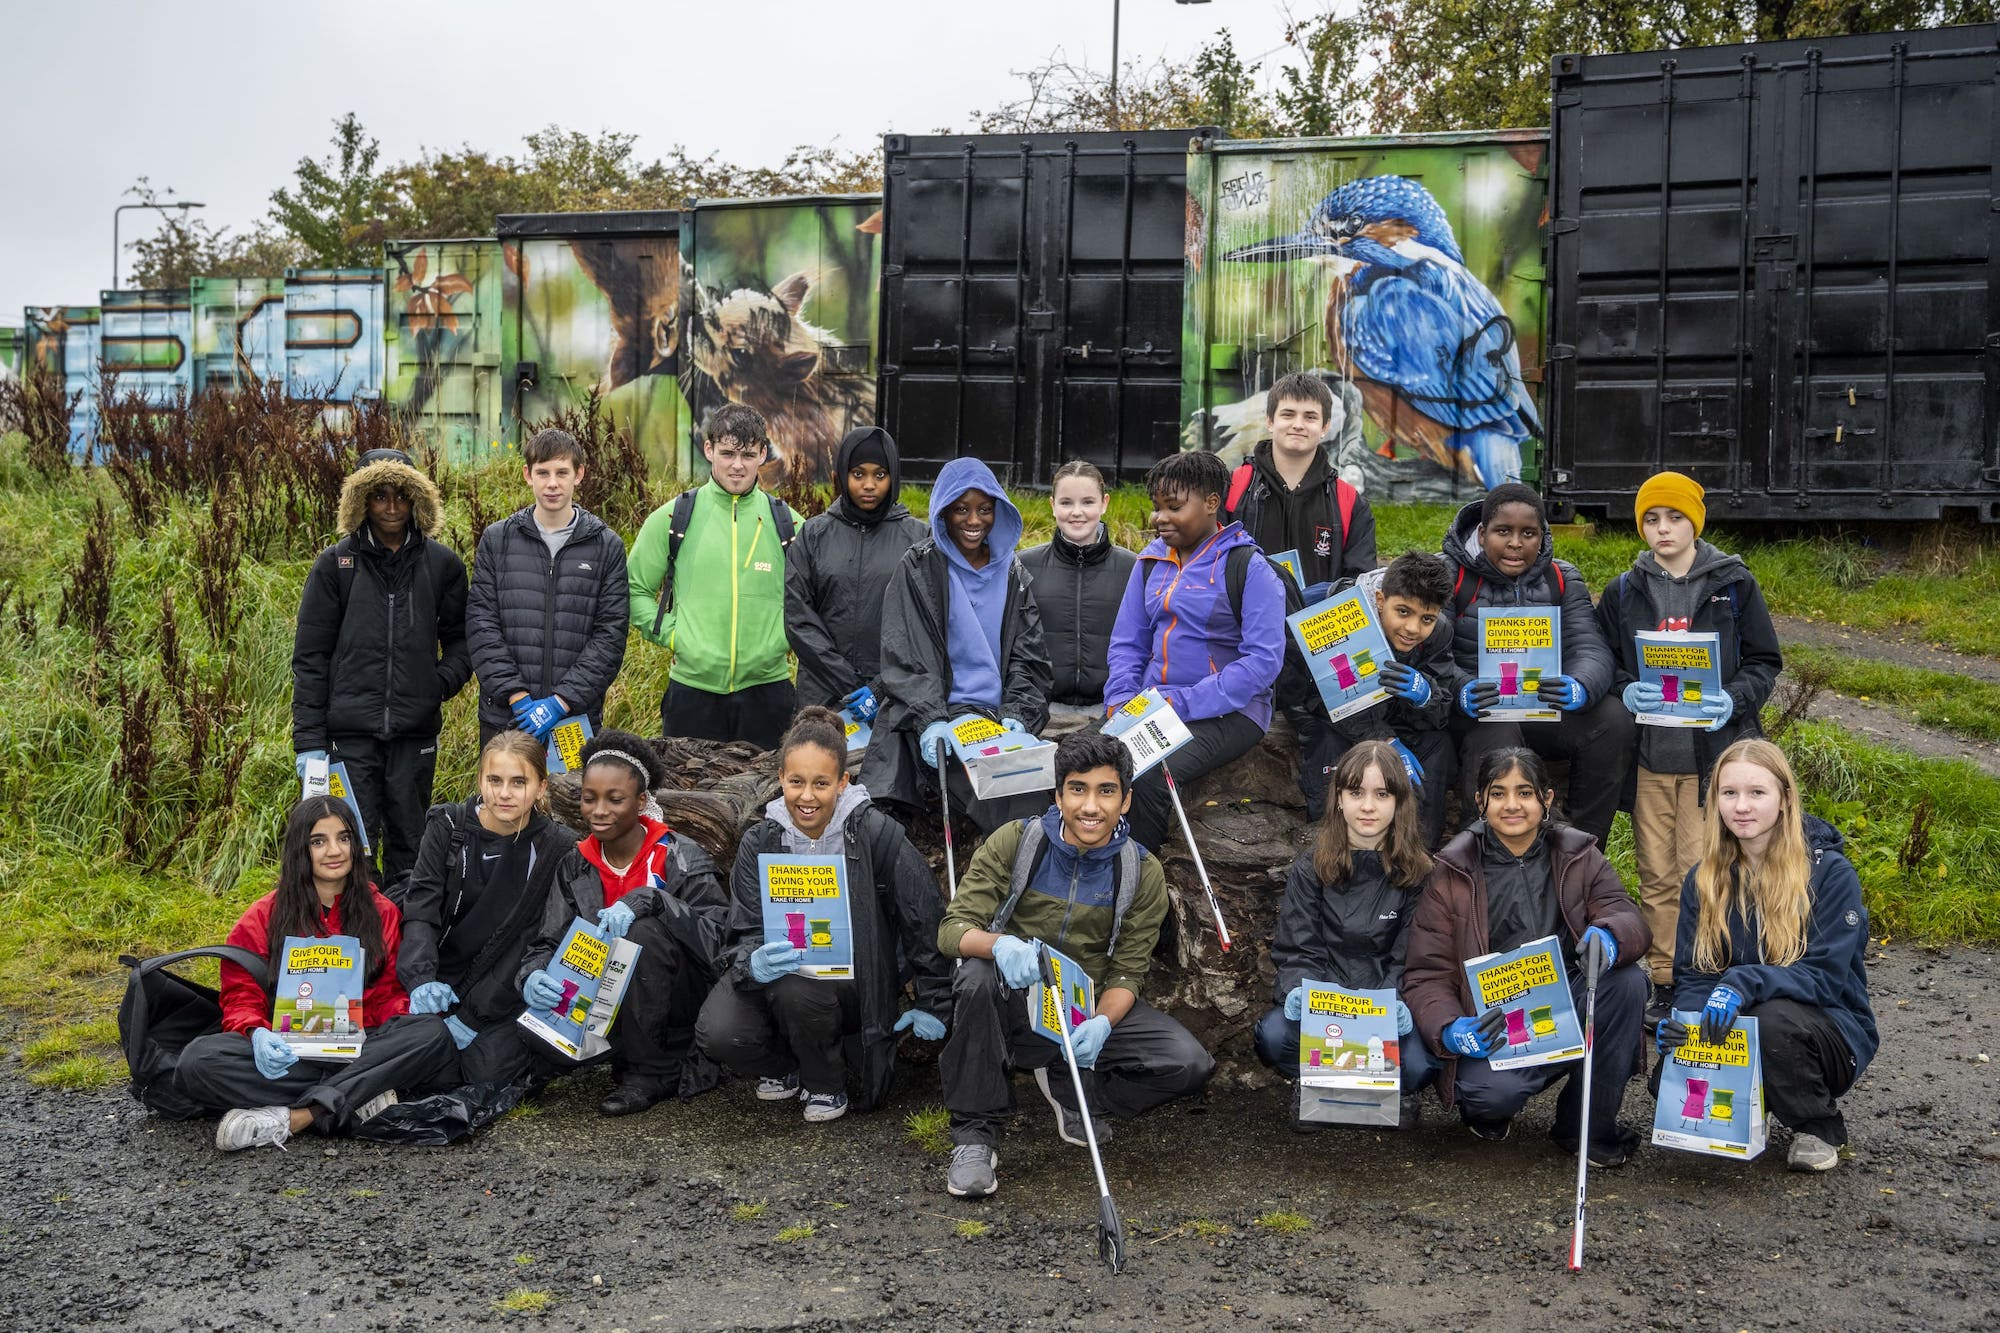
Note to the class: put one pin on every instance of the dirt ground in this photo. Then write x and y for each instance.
(118, 1220)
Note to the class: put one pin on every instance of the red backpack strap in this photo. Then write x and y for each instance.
(1238, 485)
(1344, 496)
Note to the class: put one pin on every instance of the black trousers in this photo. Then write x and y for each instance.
(412, 1054)
(1148, 1060)
(1598, 742)
(653, 1034)
(506, 1052)
(795, 1023)
(392, 782)
(1435, 750)
(1217, 741)
(758, 714)
(1806, 1067)
(1485, 1093)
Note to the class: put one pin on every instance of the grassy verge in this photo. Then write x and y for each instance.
(1958, 704)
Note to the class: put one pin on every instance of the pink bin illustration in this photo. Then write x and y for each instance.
(1670, 689)
(1343, 671)
(1510, 678)
(1517, 1028)
(795, 929)
(1696, 1105)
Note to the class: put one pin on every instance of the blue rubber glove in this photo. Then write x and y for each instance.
(433, 997)
(461, 1035)
(521, 706)
(1719, 1014)
(615, 920)
(1643, 696)
(1411, 764)
(1406, 682)
(1564, 692)
(541, 990)
(925, 1025)
(1404, 1023)
(1087, 1039)
(1013, 724)
(1721, 708)
(777, 959)
(1598, 950)
(1670, 1035)
(271, 1053)
(300, 759)
(861, 703)
(1295, 1004)
(1476, 696)
(1015, 958)
(540, 717)
(1465, 1037)
(936, 734)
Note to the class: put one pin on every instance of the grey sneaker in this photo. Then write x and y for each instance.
(970, 1175)
(375, 1106)
(779, 1089)
(1812, 1153)
(824, 1106)
(1069, 1121)
(254, 1127)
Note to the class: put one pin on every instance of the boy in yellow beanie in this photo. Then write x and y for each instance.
(1680, 582)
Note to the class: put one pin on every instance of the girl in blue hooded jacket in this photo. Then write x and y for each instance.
(960, 634)
(1772, 928)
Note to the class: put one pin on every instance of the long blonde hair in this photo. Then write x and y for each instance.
(1777, 892)
(525, 748)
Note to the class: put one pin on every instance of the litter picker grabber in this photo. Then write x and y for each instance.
(1187, 831)
(1110, 1230)
(944, 798)
(1592, 964)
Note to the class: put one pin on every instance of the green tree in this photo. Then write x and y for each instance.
(186, 246)
(336, 209)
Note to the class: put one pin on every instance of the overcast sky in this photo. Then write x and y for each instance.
(218, 101)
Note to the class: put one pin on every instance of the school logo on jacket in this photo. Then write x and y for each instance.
(1322, 539)
(1853, 917)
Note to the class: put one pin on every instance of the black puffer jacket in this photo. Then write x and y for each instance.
(380, 643)
(895, 907)
(438, 905)
(837, 574)
(1586, 656)
(1350, 934)
(547, 626)
(1078, 589)
(916, 669)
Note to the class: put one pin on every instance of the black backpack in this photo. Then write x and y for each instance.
(677, 530)
(161, 1013)
(1295, 695)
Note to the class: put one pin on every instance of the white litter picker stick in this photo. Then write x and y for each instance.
(1583, 1135)
(1187, 831)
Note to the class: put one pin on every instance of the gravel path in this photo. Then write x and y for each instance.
(119, 1220)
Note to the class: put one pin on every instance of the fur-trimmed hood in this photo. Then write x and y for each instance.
(426, 502)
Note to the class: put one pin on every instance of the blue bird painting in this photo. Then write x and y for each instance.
(1426, 343)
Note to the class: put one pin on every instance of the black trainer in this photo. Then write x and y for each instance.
(1493, 1131)
(1614, 1151)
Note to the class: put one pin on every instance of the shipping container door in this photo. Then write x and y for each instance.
(1031, 304)
(443, 330)
(333, 334)
(145, 341)
(239, 331)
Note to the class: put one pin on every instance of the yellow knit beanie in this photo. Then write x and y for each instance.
(1674, 491)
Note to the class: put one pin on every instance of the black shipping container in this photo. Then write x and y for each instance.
(1776, 268)
(1031, 299)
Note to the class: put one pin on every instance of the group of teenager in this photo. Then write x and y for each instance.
(775, 624)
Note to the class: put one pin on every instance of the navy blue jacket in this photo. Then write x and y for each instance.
(1832, 976)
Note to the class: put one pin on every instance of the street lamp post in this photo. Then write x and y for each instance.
(1116, 121)
(183, 204)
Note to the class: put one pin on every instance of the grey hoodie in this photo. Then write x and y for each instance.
(831, 842)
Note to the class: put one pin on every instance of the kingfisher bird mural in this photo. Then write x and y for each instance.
(1420, 336)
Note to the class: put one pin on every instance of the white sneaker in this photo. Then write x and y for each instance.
(824, 1106)
(254, 1127)
(784, 1089)
(375, 1105)
(1812, 1153)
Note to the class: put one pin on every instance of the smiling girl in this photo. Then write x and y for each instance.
(1517, 875)
(792, 1031)
(1772, 928)
(635, 878)
(265, 1090)
(1348, 902)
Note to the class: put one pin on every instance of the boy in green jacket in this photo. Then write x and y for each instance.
(708, 584)
(1074, 878)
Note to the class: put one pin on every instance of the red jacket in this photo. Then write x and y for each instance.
(246, 1004)
(1450, 927)
(650, 860)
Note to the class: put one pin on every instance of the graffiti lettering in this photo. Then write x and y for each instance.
(1245, 191)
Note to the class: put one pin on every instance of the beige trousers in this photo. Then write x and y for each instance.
(1666, 842)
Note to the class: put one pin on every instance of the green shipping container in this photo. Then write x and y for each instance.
(443, 337)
